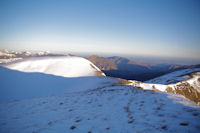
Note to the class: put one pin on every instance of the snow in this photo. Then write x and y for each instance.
(147, 86)
(113, 109)
(27, 53)
(66, 66)
(44, 53)
(173, 77)
(171, 80)
(63, 94)
(188, 85)
(190, 76)
(16, 85)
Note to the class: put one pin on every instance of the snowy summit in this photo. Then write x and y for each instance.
(66, 66)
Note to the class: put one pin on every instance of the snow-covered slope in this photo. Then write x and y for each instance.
(32, 102)
(190, 77)
(185, 82)
(66, 66)
(16, 85)
(174, 77)
(169, 80)
(116, 109)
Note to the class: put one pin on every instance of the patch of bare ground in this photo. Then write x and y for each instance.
(187, 91)
(98, 73)
(123, 81)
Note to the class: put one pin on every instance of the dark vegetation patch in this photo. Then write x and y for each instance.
(78, 120)
(107, 128)
(164, 127)
(70, 110)
(184, 123)
(131, 121)
(72, 127)
(170, 90)
(50, 123)
(123, 81)
(161, 115)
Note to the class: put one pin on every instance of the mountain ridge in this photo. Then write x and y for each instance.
(67, 66)
(121, 67)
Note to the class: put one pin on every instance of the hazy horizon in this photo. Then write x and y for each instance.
(149, 60)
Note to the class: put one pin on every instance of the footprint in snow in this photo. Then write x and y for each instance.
(131, 121)
(161, 115)
(184, 123)
(195, 114)
(70, 110)
(72, 127)
(108, 128)
(50, 123)
(142, 101)
(164, 127)
(100, 105)
(78, 120)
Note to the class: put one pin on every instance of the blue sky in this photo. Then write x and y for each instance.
(164, 28)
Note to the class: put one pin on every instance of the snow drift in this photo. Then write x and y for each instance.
(16, 85)
(66, 66)
(45, 76)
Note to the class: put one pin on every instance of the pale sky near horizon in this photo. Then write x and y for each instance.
(169, 28)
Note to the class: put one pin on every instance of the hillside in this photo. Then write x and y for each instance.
(124, 68)
(37, 100)
(17, 85)
(109, 109)
(185, 82)
(66, 66)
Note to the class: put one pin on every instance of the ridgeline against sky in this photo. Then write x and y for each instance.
(168, 28)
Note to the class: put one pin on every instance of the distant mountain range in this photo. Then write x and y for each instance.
(8, 56)
(128, 69)
(5, 54)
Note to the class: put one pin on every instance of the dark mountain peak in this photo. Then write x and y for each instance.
(119, 60)
(116, 57)
(102, 63)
